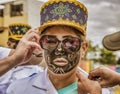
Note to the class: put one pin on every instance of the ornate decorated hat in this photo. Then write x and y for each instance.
(112, 41)
(17, 30)
(64, 12)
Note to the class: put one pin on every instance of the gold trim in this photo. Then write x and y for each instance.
(67, 22)
(16, 37)
(20, 24)
(10, 33)
(70, 1)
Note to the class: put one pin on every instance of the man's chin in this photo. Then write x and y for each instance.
(59, 73)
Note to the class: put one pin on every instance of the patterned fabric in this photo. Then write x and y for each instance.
(16, 31)
(64, 12)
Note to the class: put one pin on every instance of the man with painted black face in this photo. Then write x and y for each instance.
(63, 39)
(62, 46)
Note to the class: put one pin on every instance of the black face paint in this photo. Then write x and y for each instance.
(52, 54)
(61, 46)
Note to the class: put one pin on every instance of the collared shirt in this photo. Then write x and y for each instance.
(36, 84)
(17, 73)
(71, 89)
(4, 52)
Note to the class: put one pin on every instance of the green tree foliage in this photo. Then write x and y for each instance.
(107, 57)
(100, 55)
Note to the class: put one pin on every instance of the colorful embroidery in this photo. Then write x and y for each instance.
(16, 31)
(60, 10)
(24, 29)
(64, 10)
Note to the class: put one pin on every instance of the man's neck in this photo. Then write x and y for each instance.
(61, 81)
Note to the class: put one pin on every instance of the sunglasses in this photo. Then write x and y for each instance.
(69, 43)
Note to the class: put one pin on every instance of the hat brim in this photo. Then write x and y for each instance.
(53, 23)
(112, 41)
(15, 38)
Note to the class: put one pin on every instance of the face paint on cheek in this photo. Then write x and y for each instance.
(48, 59)
(73, 60)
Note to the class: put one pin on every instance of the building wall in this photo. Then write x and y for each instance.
(34, 12)
(16, 19)
(9, 20)
(1, 21)
(4, 38)
(31, 15)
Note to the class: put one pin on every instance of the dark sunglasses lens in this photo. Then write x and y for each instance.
(71, 44)
(48, 42)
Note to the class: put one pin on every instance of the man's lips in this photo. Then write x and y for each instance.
(60, 62)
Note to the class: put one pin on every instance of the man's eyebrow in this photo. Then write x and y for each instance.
(67, 36)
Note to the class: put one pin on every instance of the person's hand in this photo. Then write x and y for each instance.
(105, 76)
(86, 86)
(28, 43)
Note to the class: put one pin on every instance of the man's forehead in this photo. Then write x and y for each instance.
(60, 27)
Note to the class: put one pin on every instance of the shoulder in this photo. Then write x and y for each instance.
(18, 83)
(106, 91)
(19, 86)
(4, 49)
(4, 52)
(23, 85)
(25, 71)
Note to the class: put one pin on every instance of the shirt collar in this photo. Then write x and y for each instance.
(40, 80)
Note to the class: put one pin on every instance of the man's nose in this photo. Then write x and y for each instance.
(59, 50)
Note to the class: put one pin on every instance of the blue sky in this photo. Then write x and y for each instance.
(104, 18)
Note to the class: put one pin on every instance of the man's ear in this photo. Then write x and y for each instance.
(8, 43)
(84, 48)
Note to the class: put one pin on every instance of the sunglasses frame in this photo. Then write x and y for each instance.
(80, 41)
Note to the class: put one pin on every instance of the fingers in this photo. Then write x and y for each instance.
(81, 77)
(32, 35)
(85, 85)
(35, 45)
(96, 73)
(26, 46)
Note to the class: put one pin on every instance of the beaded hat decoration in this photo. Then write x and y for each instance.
(64, 12)
(17, 30)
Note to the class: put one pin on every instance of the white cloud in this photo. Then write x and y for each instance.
(43, 0)
(5, 1)
(105, 4)
(2, 7)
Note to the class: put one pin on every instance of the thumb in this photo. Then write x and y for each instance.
(81, 77)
